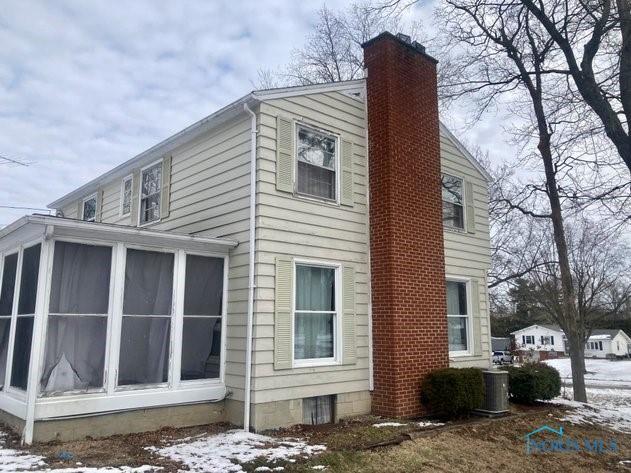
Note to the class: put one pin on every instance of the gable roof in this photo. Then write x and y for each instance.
(351, 88)
(607, 333)
(552, 327)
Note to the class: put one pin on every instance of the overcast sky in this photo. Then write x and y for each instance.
(84, 86)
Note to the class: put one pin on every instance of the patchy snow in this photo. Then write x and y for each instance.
(600, 373)
(226, 452)
(318, 467)
(388, 424)
(14, 460)
(610, 408)
(428, 423)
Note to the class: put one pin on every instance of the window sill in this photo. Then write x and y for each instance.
(460, 231)
(315, 363)
(317, 200)
(460, 354)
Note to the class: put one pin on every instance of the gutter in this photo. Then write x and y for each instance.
(251, 286)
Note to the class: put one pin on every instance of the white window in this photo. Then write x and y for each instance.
(7, 292)
(453, 207)
(150, 190)
(89, 209)
(315, 312)
(203, 307)
(74, 356)
(126, 195)
(25, 317)
(316, 167)
(529, 339)
(147, 315)
(458, 318)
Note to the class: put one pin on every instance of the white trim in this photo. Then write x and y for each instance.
(337, 326)
(338, 143)
(284, 92)
(129, 177)
(469, 316)
(142, 170)
(371, 368)
(476, 164)
(83, 201)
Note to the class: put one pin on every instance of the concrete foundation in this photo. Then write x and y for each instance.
(142, 420)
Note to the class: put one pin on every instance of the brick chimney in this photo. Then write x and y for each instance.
(406, 231)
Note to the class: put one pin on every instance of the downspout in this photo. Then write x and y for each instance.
(371, 370)
(250, 317)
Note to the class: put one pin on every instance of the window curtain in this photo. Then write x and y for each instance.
(456, 298)
(81, 279)
(144, 352)
(5, 327)
(316, 181)
(148, 283)
(74, 353)
(203, 289)
(201, 348)
(315, 288)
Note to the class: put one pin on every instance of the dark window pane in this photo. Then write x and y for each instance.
(28, 280)
(75, 353)
(22, 352)
(201, 348)
(8, 284)
(89, 210)
(453, 215)
(148, 283)
(313, 336)
(144, 352)
(316, 181)
(203, 285)
(315, 288)
(456, 298)
(451, 189)
(5, 327)
(81, 279)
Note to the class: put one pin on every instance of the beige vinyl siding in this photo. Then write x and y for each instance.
(289, 225)
(209, 196)
(468, 254)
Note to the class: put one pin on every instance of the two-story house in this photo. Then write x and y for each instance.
(301, 255)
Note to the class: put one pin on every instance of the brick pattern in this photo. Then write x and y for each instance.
(406, 233)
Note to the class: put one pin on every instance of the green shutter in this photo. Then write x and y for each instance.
(477, 331)
(349, 349)
(98, 214)
(284, 154)
(470, 207)
(135, 197)
(165, 192)
(283, 338)
(347, 173)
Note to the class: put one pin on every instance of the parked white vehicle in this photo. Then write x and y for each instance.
(502, 357)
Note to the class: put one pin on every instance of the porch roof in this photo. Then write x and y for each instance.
(33, 226)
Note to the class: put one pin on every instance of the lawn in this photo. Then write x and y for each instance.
(600, 373)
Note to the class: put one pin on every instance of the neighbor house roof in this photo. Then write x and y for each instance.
(555, 328)
(351, 88)
(605, 334)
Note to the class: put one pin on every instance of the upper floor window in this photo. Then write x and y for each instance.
(453, 202)
(89, 209)
(458, 325)
(150, 190)
(528, 339)
(126, 193)
(317, 163)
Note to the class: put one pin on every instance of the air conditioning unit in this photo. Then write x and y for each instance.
(496, 395)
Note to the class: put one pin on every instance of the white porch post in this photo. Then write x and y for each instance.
(38, 339)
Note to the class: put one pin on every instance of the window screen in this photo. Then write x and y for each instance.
(22, 352)
(203, 286)
(28, 280)
(148, 283)
(7, 290)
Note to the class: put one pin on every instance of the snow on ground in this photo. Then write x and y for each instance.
(429, 424)
(398, 424)
(219, 453)
(388, 424)
(600, 373)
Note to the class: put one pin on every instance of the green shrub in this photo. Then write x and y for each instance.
(453, 392)
(532, 382)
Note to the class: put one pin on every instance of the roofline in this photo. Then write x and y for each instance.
(163, 147)
(281, 92)
(560, 330)
(465, 152)
(112, 228)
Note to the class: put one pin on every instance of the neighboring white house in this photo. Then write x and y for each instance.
(608, 343)
(540, 337)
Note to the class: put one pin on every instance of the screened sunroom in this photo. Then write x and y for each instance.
(98, 318)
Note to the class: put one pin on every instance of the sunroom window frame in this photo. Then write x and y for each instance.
(337, 325)
(83, 201)
(140, 195)
(46, 314)
(9, 316)
(469, 316)
(298, 124)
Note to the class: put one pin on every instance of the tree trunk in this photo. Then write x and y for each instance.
(577, 360)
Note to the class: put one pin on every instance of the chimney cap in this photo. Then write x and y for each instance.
(402, 39)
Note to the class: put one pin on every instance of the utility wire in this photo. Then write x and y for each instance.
(13, 161)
